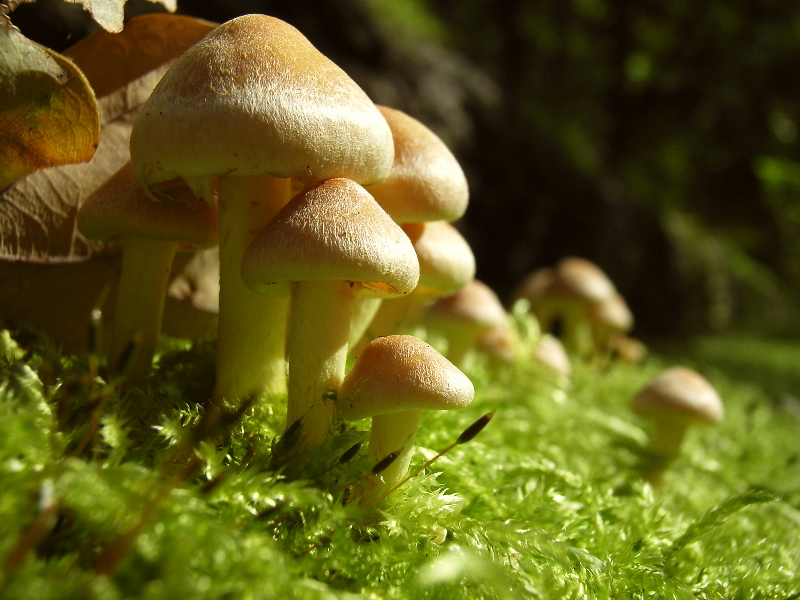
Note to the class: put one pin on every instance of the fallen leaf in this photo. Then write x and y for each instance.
(48, 111)
(109, 14)
(42, 253)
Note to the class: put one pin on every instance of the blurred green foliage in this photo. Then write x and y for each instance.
(682, 107)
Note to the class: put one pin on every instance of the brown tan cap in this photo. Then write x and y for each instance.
(398, 373)
(426, 182)
(581, 279)
(333, 231)
(120, 208)
(255, 98)
(446, 261)
(613, 313)
(475, 304)
(682, 394)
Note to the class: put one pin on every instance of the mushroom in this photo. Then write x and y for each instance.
(393, 380)
(610, 319)
(500, 344)
(329, 244)
(149, 233)
(675, 400)
(446, 264)
(577, 285)
(532, 288)
(463, 316)
(246, 110)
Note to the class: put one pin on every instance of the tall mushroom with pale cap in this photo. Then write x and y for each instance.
(675, 400)
(463, 316)
(394, 379)
(149, 232)
(327, 246)
(247, 108)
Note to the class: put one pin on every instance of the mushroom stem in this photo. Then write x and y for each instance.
(319, 327)
(252, 328)
(146, 265)
(576, 329)
(667, 437)
(389, 433)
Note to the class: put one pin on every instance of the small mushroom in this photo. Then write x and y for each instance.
(426, 184)
(609, 319)
(149, 233)
(577, 285)
(675, 400)
(462, 317)
(393, 380)
(330, 244)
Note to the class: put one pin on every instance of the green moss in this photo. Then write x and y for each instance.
(160, 500)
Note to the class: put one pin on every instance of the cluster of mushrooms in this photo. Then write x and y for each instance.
(332, 217)
(324, 207)
(579, 300)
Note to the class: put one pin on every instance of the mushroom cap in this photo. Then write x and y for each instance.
(401, 372)
(580, 279)
(682, 394)
(332, 231)
(446, 261)
(120, 208)
(255, 98)
(613, 313)
(426, 182)
(474, 305)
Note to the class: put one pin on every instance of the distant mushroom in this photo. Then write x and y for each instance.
(501, 345)
(394, 379)
(329, 244)
(609, 319)
(463, 316)
(675, 400)
(149, 233)
(243, 112)
(577, 285)
(533, 288)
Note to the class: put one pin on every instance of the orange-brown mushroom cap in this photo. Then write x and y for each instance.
(399, 373)
(426, 182)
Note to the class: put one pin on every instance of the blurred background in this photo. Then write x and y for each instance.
(656, 138)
